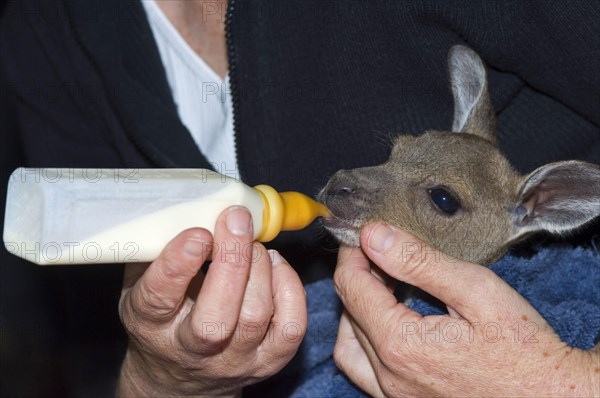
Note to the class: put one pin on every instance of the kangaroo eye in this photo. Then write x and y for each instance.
(444, 200)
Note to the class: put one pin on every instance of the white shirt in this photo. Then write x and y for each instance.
(202, 98)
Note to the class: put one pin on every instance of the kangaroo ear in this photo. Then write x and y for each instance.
(473, 111)
(558, 197)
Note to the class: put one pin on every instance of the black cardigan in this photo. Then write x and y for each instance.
(317, 86)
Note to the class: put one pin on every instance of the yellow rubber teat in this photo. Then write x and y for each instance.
(300, 210)
(286, 211)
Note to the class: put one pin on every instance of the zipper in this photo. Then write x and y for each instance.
(233, 87)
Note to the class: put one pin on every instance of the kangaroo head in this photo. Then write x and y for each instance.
(455, 190)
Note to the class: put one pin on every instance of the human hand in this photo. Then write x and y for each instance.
(492, 343)
(191, 337)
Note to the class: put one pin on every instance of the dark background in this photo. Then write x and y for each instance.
(42, 339)
(47, 348)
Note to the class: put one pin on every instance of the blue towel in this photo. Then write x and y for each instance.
(562, 283)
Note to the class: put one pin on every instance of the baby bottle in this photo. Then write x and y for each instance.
(79, 216)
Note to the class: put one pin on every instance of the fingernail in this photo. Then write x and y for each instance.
(238, 221)
(381, 239)
(194, 248)
(275, 257)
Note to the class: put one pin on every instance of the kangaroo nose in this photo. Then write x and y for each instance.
(342, 189)
(342, 186)
(344, 196)
(339, 188)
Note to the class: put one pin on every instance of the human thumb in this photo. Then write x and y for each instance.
(463, 286)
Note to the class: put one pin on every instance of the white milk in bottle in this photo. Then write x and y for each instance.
(79, 216)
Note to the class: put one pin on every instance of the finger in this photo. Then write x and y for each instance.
(453, 313)
(389, 282)
(133, 272)
(351, 357)
(257, 306)
(370, 303)
(195, 285)
(469, 289)
(214, 317)
(289, 322)
(159, 292)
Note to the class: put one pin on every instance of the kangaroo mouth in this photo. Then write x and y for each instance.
(336, 222)
(345, 231)
(347, 214)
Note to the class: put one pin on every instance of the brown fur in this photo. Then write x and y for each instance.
(498, 206)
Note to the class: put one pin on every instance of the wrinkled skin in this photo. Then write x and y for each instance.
(204, 335)
(491, 343)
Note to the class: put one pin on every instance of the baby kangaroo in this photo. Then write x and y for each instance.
(455, 190)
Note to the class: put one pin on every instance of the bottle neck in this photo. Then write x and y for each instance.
(273, 213)
(286, 211)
